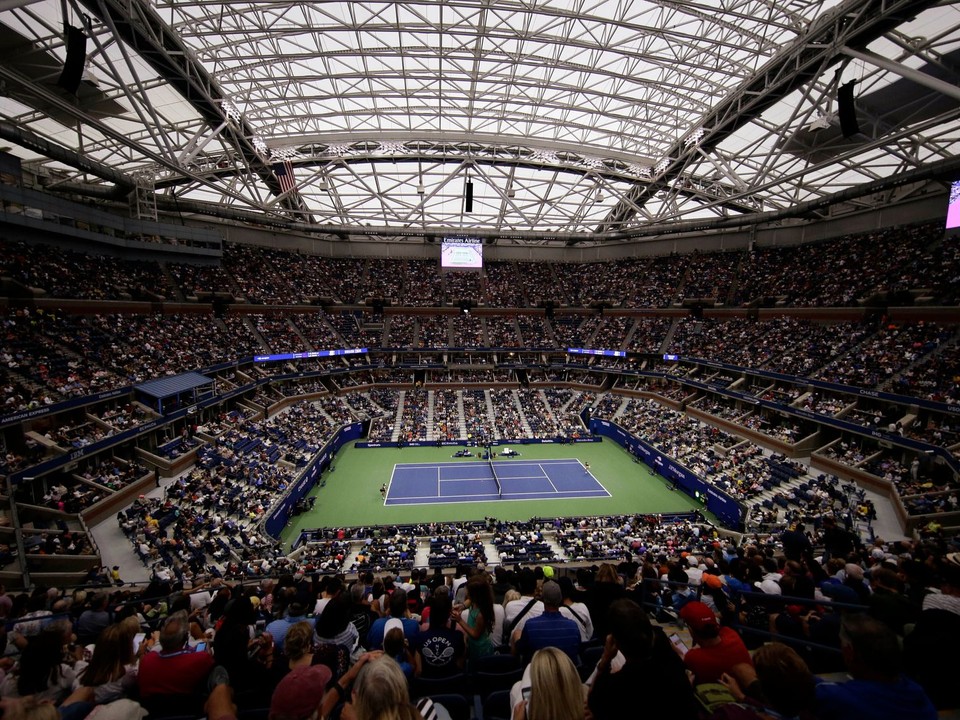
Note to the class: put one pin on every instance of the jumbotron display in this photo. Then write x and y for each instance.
(953, 208)
(461, 253)
(604, 353)
(308, 355)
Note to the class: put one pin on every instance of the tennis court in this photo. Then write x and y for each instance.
(476, 481)
(350, 496)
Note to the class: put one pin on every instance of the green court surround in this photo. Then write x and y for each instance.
(351, 495)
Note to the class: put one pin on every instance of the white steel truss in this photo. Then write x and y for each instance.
(575, 120)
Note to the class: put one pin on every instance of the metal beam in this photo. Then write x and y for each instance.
(938, 171)
(71, 109)
(30, 140)
(852, 23)
(139, 25)
(902, 70)
(14, 4)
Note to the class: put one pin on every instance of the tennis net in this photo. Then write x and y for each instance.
(496, 479)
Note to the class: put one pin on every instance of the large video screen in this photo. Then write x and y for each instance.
(953, 208)
(461, 253)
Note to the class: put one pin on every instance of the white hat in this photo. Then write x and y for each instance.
(123, 709)
(769, 586)
(391, 624)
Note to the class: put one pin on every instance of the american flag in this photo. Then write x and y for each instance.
(284, 173)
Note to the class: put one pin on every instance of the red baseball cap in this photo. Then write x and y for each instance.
(698, 616)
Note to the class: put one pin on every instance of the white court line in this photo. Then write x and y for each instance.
(481, 479)
(389, 485)
(568, 492)
(482, 498)
(478, 463)
(434, 497)
(547, 476)
(500, 498)
(469, 480)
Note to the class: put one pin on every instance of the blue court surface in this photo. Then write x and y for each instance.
(472, 481)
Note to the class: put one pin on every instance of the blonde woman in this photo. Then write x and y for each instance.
(381, 693)
(553, 690)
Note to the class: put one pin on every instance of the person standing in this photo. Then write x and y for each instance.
(478, 619)
(796, 544)
(930, 655)
(93, 620)
(651, 669)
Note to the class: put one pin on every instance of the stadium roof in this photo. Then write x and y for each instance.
(574, 121)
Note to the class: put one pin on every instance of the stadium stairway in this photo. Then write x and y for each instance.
(889, 385)
(619, 412)
(885, 525)
(461, 418)
(491, 414)
(668, 338)
(296, 331)
(564, 408)
(375, 405)
(590, 341)
(628, 336)
(401, 398)
(251, 327)
(547, 409)
(523, 416)
(431, 431)
(423, 554)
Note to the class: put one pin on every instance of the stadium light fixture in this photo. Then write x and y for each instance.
(821, 122)
(281, 154)
(693, 139)
(231, 111)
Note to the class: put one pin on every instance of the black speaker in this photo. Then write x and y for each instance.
(76, 58)
(847, 110)
(468, 197)
(220, 307)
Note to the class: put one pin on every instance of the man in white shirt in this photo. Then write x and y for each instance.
(517, 612)
(576, 611)
(693, 569)
(329, 588)
(458, 586)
